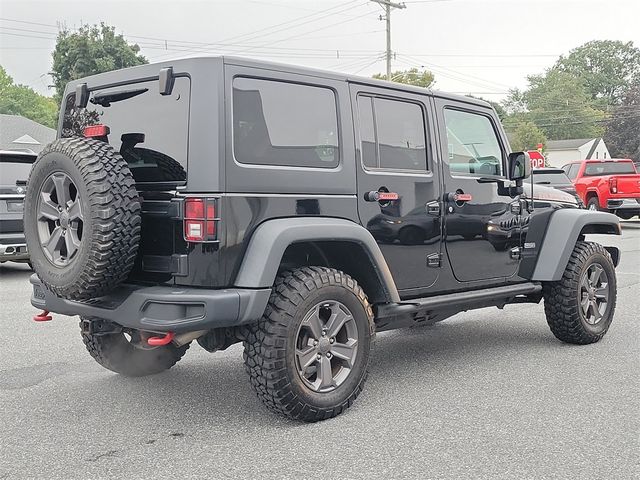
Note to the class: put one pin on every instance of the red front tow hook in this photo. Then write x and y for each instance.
(42, 317)
(161, 341)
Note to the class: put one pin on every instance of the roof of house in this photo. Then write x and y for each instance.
(567, 144)
(20, 133)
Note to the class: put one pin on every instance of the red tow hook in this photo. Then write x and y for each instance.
(43, 317)
(161, 341)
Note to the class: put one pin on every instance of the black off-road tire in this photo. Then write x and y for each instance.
(114, 352)
(111, 210)
(562, 298)
(269, 346)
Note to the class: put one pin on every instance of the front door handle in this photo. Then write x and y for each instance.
(459, 197)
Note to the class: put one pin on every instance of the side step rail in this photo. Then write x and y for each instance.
(461, 301)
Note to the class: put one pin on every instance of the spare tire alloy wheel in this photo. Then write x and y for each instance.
(60, 221)
(81, 218)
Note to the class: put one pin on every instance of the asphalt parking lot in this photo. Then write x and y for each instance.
(486, 394)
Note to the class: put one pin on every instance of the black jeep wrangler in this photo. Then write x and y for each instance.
(226, 200)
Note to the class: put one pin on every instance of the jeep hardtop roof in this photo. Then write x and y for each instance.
(194, 64)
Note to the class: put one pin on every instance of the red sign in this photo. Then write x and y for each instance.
(537, 159)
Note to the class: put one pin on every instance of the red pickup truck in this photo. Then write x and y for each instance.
(609, 185)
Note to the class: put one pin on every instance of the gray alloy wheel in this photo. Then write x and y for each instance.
(594, 294)
(60, 220)
(326, 346)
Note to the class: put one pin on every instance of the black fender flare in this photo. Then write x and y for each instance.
(271, 238)
(563, 231)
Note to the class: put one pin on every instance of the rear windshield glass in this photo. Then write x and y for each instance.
(609, 168)
(14, 173)
(150, 130)
(559, 178)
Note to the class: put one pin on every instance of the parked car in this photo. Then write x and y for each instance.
(554, 178)
(611, 185)
(225, 200)
(14, 171)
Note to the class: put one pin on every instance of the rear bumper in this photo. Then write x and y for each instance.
(627, 204)
(13, 248)
(162, 308)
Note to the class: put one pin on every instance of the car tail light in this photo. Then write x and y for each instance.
(200, 220)
(613, 185)
(96, 131)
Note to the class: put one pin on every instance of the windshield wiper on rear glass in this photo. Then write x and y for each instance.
(106, 99)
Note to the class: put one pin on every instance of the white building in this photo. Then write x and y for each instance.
(561, 152)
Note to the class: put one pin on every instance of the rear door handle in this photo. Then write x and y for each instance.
(377, 196)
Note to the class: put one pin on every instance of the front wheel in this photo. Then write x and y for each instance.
(580, 307)
(308, 356)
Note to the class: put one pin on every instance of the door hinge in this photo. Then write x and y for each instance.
(515, 253)
(433, 208)
(434, 260)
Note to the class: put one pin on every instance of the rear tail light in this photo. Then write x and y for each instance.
(200, 220)
(613, 185)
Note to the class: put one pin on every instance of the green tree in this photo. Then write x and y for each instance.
(526, 136)
(558, 104)
(90, 50)
(413, 76)
(606, 68)
(22, 100)
(622, 135)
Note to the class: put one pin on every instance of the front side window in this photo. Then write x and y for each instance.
(473, 146)
(392, 134)
(285, 124)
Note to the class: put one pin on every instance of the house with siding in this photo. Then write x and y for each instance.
(561, 152)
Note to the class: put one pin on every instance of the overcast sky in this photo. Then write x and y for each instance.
(482, 47)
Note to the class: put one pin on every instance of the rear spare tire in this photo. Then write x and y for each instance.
(82, 218)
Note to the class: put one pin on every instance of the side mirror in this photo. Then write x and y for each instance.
(519, 166)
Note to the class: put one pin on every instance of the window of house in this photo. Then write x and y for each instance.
(392, 134)
(473, 145)
(286, 124)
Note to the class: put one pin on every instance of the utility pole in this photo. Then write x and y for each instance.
(388, 5)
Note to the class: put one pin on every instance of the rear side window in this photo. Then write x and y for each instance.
(392, 134)
(474, 148)
(285, 124)
(573, 170)
(150, 130)
(609, 168)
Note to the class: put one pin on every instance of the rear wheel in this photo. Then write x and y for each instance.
(308, 356)
(594, 205)
(580, 307)
(128, 353)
